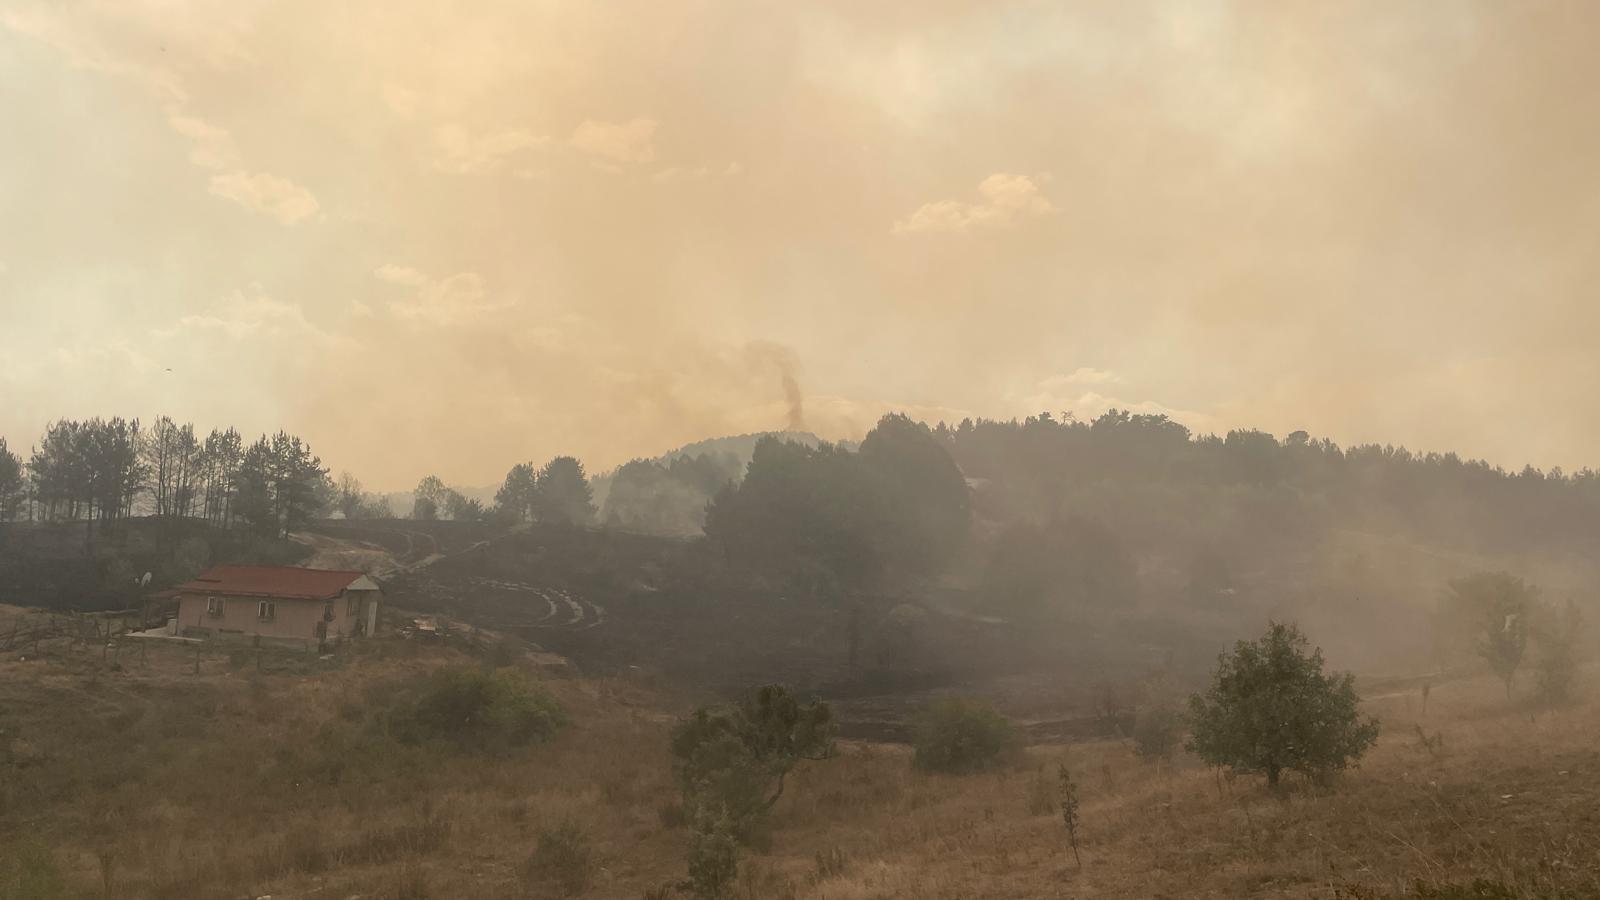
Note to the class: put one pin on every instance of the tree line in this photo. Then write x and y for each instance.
(104, 470)
(556, 493)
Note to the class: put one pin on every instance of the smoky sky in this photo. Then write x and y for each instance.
(450, 238)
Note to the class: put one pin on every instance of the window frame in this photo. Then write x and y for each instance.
(266, 610)
(216, 607)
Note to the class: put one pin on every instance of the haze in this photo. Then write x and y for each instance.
(494, 232)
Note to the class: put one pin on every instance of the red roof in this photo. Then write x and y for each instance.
(288, 582)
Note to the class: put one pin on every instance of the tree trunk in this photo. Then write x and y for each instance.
(774, 798)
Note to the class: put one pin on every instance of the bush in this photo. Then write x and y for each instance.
(713, 856)
(562, 861)
(1270, 708)
(478, 710)
(1557, 636)
(960, 735)
(1156, 729)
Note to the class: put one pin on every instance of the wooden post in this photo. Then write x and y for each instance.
(197, 646)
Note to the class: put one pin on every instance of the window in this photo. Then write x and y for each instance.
(265, 609)
(327, 611)
(213, 606)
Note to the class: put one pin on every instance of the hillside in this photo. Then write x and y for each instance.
(100, 565)
(165, 784)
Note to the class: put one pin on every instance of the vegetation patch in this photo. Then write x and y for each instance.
(961, 734)
(476, 710)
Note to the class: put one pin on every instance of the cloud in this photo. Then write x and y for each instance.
(1083, 375)
(624, 142)
(116, 42)
(210, 147)
(116, 351)
(455, 300)
(464, 153)
(266, 194)
(680, 173)
(401, 99)
(250, 313)
(405, 275)
(1006, 199)
(668, 174)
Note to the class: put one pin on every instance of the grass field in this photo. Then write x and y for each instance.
(145, 780)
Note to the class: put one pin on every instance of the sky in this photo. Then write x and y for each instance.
(448, 238)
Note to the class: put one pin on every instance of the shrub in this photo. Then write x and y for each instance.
(958, 734)
(478, 710)
(1041, 795)
(713, 856)
(671, 814)
(561, 860)
(1270, 708)
(1156, 729)
(1557, 636)
(1070, 809)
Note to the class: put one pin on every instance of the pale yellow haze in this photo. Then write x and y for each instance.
(448, 237)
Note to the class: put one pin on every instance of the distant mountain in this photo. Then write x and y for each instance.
(741, 445)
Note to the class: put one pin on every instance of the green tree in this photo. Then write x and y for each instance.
(515, 498)
(736, 757)
(667, 497)
(1501, 608)
(563, 494)
(923, 495)
(279, 486)
(253, 487)
(349, 498)
(462, 508)
(1271, 708)
(13, 489)
(430, 495)
(809, 516)
(300, 481)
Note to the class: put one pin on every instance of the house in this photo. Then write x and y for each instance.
(279, 602)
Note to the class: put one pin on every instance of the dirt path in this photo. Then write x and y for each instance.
(339, 553)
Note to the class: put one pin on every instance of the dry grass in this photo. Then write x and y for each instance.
(163, 784)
